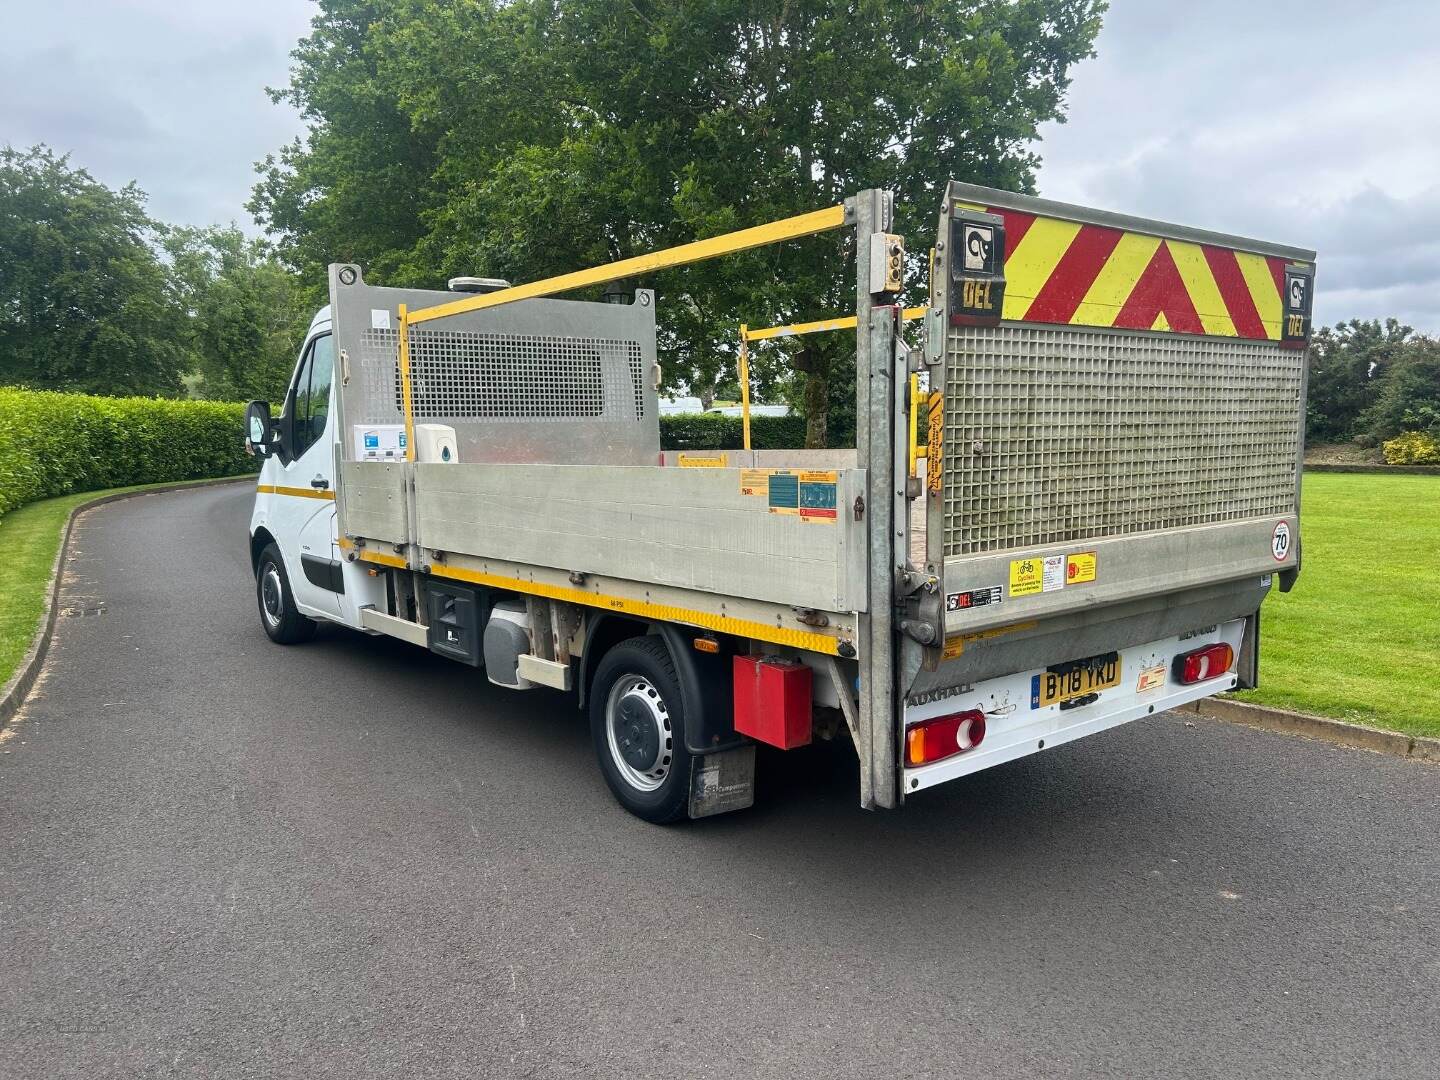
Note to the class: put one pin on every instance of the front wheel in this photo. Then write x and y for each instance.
(278, 614)
(637, 723)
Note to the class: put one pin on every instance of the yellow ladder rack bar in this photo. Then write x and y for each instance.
(745, 384)
(727, 243)
(820, 326)
(405, 390)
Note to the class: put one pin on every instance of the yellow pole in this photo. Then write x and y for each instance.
(846, 322)
(405, 383)
(745, 382)
(914, 418)
(771, 233)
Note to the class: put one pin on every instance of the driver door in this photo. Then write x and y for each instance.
(304, 518)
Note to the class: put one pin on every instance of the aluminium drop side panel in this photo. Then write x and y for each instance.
(683, 528)
(371, 501)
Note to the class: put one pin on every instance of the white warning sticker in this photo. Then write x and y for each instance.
(1052, 576)
(379, 318)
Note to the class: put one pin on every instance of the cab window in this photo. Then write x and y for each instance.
(312, 393)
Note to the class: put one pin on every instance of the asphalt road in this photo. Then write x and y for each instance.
(223, 857)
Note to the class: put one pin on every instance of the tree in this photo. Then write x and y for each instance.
(247, 314)
(526, 138)
(1409, 396)
(1348, 364)
(83, 296)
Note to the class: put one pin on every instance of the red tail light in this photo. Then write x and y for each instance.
(1208, 663)
(931, 740)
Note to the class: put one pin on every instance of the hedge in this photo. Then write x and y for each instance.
(693, 431)
(54, 444)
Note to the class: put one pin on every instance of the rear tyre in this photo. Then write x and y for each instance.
(637, 723)
(279, 616)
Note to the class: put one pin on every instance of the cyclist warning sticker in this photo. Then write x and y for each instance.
(1080, 567)
(1037, 575)
(1027, 576)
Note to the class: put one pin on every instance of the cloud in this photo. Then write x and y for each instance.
(169, 95)
(1312, 125)
(1245, 118)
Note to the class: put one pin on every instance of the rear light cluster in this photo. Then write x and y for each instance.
(1208, 663)
(944, 736)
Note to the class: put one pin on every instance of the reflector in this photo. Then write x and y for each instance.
(1210, 662)
(943, 736)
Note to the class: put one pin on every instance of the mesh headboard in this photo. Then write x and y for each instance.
(537, 381)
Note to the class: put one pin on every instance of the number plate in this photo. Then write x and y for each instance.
(1051, 686)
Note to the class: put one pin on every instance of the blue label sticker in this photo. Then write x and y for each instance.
(372, 441)
(784, 493)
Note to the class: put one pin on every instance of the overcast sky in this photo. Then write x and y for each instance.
(1316, 124)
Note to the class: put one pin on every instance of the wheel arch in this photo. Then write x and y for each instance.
(259, 539)
(706, 686)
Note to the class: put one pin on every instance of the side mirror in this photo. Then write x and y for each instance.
(260, 435)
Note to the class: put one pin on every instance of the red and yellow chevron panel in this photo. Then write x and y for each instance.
(1066, 272)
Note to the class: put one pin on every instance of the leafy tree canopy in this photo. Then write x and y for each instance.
(246, 313)
(84, 302)
(527, 138)
(1348, 364)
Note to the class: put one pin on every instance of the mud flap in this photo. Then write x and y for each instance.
(722, 781)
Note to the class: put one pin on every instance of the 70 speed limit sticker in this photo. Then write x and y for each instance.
(1280, 541)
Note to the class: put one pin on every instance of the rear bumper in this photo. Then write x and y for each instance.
(1014, 729)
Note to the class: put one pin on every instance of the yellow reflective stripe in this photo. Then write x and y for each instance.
(384, 559)
(799, 639)
(1200, 284)
(773, 232)
(1030, 265)
(1261, 284)
(1112, 286)
(299, 493)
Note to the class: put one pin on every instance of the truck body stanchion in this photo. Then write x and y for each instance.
(874, 434)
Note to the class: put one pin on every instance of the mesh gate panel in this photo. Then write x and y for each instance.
(1060, 434)
(467, 375)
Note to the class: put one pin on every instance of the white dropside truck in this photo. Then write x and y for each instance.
(1075, 480)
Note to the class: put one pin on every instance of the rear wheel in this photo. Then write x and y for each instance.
(278, 614)
(638, 727)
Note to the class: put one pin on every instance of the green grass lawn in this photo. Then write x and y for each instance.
(29, 537)
(1359, 637)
